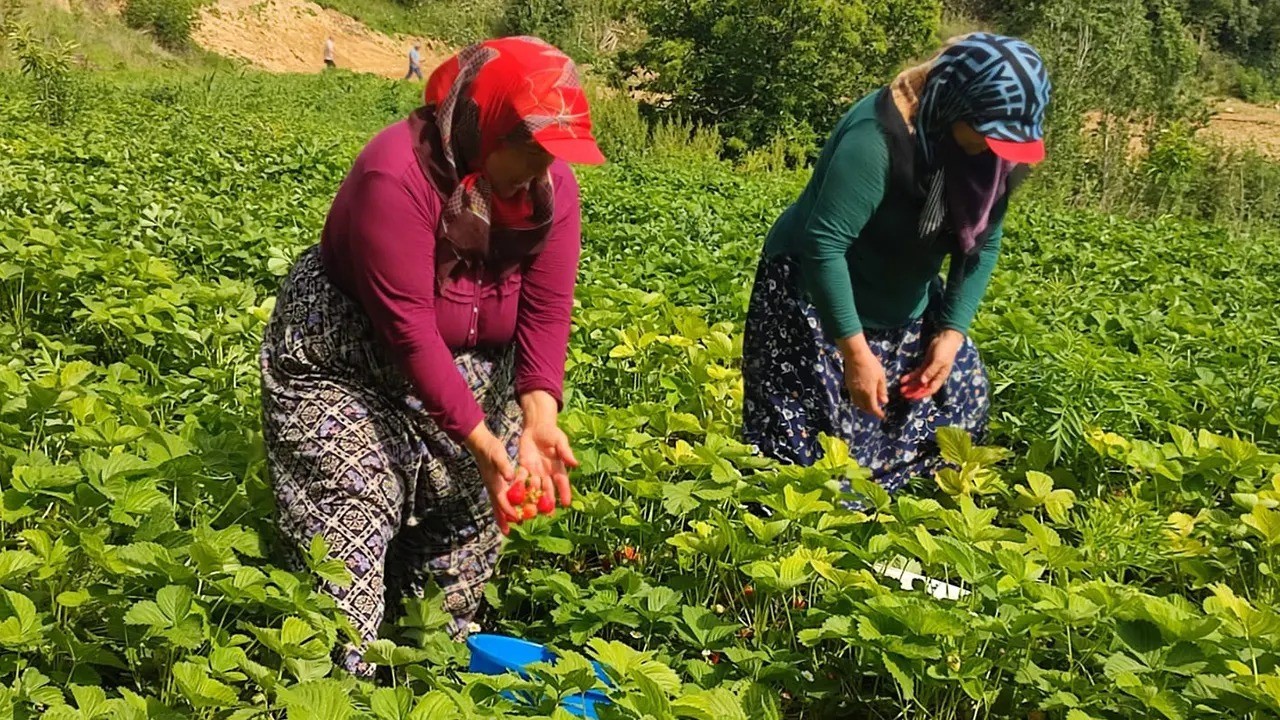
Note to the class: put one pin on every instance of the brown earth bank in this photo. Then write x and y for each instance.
(1241, 124)
(289, 36)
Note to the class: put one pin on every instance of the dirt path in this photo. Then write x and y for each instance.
(289, 35)
(1243, 125)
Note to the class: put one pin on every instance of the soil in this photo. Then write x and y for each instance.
(1241, 124)
(289, 35)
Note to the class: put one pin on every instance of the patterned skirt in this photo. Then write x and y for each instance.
(355, 459)
(794, 389)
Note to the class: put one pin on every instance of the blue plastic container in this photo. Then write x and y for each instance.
(499, 654)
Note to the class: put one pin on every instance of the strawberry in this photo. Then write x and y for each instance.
(546, 505)
(530, 511)
(516, 493)
(748, 591)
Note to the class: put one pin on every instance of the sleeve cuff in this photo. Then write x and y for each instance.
(458, 425)
(524, 387)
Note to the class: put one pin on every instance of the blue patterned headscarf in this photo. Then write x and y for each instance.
(999, 86)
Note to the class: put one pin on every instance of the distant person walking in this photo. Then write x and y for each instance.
(329, 60)
(415, 63)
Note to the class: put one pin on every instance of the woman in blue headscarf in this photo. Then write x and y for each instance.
(851, 331)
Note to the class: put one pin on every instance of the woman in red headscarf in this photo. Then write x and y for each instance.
(420, 347)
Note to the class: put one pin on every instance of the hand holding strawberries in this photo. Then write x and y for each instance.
(544, 458)
(527, 498)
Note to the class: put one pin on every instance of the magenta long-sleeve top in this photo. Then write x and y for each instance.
(378, 247)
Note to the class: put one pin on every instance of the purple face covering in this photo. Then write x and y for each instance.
(973, 185)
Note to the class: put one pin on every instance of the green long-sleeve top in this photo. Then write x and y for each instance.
(862, 262)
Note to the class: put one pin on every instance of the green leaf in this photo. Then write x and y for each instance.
(1040, 483)
(760, 702)
(199, 689)
(1265, 522)
(955, 445)
(15, 564)
(715, 704)
(391, 703)
(876, 496)
(91, 701)
(175, 602)
(705, 629)
(333, 571)
(73, 598)
(44, 478)
(74, 373)
(797, 504)
(1140, 636)
(763, 531)
(172, 606)
(317, 700)
(654, 701)
(435, 705)
(1119, 664)
(386, 652)
(22, 627)
(629, 663)
(905, 683)
(1058, 504)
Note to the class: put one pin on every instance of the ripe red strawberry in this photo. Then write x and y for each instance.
(546, 505)
(516, 493)
(714, 658)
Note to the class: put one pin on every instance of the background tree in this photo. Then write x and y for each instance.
(761, 70)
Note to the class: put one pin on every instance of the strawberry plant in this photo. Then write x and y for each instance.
(1110, 552)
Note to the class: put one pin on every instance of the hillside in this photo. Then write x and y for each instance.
(289, 35)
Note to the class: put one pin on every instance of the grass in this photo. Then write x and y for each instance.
(457, 22)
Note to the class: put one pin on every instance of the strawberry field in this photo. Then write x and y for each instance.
(1111, 554)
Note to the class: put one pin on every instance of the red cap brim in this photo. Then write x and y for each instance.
(577, 151)
(1028, 153)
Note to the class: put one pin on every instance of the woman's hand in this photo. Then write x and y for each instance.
(495, 470)
(927, 379)
(544, 452)
(864, 375)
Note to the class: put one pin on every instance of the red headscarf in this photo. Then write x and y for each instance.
(490, 93)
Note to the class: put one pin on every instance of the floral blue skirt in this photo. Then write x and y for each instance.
(794, 390)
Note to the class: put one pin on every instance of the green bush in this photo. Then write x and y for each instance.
(46, 62)
(585, 29)
(619, 129)
(759, 69)
(169, 21)
(1249, 83)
